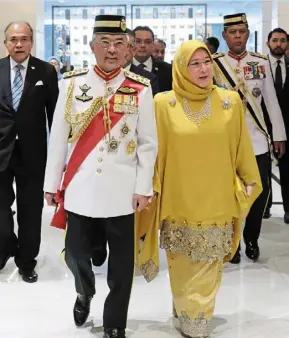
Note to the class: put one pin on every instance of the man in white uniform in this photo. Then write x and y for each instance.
(108, 116)
(249, 74)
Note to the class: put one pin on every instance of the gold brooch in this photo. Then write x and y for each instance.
(113, 145)
(131, 147)
(124, 130)
(226, 104)
(173, 101)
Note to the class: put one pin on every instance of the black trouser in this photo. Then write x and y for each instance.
(79, 244)
(270, 198)
(284, 178)
(254, 219)
(29, 201)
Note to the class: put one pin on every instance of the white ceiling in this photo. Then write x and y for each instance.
(159, 2)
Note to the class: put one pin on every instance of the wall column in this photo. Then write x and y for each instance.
(31, 11)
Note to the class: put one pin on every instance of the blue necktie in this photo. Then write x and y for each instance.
(17, 87)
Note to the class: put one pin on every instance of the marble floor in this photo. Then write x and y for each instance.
(253, 301)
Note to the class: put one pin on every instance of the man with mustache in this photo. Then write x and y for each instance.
(279, 69)
(107, 115)
(248, 74)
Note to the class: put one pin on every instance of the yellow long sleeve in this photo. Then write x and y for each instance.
(200, 171)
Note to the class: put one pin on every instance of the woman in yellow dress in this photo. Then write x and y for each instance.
(206, 179)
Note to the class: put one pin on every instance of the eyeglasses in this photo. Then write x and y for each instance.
(117, 45)
(198, 65)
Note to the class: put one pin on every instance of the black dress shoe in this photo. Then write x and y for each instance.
(99, 256)
(237, 258)
(114, 333)
(286, 218)
(267, 214)
(81, 309)
(252, 251)
(28, 276)
(4, 261)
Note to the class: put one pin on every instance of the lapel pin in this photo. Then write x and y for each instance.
(32, 67)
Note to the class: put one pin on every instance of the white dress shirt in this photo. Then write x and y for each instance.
(23, 71)
(274, 63)
(148, 64)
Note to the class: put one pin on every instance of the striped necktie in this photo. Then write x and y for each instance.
(17, 87)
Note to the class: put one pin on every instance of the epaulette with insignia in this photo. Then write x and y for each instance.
(258, 55)
(74, 73)
(218, 55)
(137, 78)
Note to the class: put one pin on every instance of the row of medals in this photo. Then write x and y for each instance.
(256, 91)
(113, 143)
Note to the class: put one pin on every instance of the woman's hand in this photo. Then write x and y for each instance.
(249, 189)
(152, 197)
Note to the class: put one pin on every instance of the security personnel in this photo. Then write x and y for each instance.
(279, 70)
(107, 115)
(249, 74)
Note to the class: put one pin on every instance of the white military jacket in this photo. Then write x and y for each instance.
(252, 76)
(105, 183)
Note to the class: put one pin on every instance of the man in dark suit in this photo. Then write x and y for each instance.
(29, 91)
(144, 39)
(138, 70)
(159, 51)
(279, 66)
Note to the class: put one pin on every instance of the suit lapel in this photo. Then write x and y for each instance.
(30, 77)
(6, 81)
(287, 73)
(155, 68)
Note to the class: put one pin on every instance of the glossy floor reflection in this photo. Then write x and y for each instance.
(253, 301)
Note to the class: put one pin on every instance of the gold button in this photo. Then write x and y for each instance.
(99, 171)
(100, 160)
(101, 149)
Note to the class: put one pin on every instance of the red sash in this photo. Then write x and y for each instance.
(86, 143)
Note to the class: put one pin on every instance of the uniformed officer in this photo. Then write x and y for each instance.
(107, 115)
(248, 73)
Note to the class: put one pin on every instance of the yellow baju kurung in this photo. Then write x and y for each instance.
(200, 200)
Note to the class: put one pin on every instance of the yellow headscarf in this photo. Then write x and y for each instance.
(182, 81)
